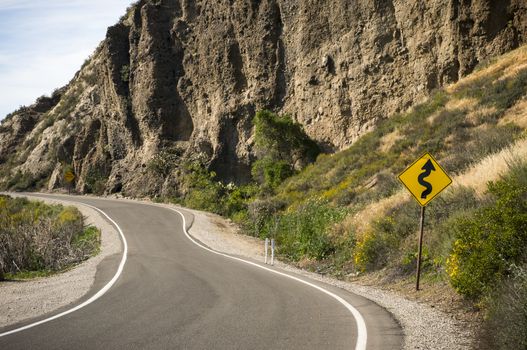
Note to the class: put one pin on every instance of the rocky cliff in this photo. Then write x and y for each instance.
(187, 76)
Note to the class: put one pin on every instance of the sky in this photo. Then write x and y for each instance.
(44, 42)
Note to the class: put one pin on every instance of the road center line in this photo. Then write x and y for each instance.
(96, 296)
(362, 333)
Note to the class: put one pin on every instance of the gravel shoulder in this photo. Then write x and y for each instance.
(23, 300)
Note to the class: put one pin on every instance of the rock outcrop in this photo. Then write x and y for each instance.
(189, 75)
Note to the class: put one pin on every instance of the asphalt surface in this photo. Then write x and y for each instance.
(173, 294)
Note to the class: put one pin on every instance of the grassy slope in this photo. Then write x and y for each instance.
(474, 128)
(459, 125)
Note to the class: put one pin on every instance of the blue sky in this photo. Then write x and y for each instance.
(44, 42)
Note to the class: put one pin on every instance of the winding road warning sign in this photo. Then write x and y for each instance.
(425, 179)
(69, 176)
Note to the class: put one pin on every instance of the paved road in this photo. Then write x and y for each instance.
(173, 294)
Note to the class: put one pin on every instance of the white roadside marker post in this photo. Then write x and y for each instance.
(272, 251)
(266, 248)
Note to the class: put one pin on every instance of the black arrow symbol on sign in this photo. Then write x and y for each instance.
(428, 168)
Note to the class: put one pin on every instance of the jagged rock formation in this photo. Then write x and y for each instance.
(190, 75)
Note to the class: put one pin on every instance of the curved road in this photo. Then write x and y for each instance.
(173, 294)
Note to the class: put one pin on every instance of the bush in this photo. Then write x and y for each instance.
(260, 211)
(376, 247)
(88, 243)
(95, 181)
(235, 203)
(271, 173)
(203, 192)
(390, 241)
(26, 181)
(281, 138)
(488, 242)
(371, 251)
(281, 147)
(505, 325)
(207, 198)
(303, 233)
(165, 161)
(42, 238)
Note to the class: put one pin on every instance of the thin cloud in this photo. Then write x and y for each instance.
(43, 44)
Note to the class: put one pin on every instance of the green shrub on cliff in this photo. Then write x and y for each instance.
(281, 146)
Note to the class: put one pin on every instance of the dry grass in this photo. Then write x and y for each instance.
(480, 113)
(506, 66)
(463, 104)
(491, 167)
(388, 140)
(362, 220)
(467, 105)
(512, 70)
(517, 114)
(433, 117)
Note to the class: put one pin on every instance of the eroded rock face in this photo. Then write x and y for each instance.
(191, 74)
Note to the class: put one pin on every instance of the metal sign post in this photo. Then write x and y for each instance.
(420, 250)
(424, 179)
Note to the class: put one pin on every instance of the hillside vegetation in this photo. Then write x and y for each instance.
(346, 214)
(39, 239)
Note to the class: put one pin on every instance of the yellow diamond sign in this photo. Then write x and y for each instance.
(69, 176)
(425, 179)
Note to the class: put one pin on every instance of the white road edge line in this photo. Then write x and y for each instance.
(361, 325)
(96, 296)
(362, 334)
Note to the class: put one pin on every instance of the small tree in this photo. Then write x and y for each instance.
(282, 147)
